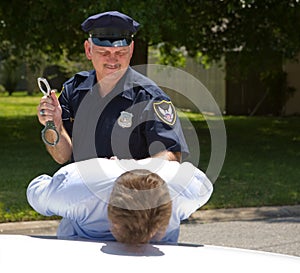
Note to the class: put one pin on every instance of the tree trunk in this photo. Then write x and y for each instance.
(140, 55)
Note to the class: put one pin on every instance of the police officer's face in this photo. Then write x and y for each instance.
(108, 60)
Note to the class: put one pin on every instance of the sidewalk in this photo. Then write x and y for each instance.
(202, 216)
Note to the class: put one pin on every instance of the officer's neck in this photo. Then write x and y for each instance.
(105, 89)
(108, 83)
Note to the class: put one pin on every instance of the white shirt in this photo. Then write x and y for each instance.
(79, 192)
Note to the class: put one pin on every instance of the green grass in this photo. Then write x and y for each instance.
(22, 155)
(261, 167)
(262, 162)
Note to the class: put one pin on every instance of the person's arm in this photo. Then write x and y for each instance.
(75, 189)
(38, 194)
(164, 127)
(58, 195)
(189, 187)
(196, 193)
(62, 151)
(168, 155)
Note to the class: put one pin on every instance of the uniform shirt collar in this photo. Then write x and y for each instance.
(124, 87)
(89, 82)
(132, 79)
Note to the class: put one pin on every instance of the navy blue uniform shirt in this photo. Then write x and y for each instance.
(135, 120)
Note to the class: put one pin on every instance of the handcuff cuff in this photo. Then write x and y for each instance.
(50, 126)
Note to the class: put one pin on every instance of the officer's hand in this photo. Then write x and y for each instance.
(50, 109)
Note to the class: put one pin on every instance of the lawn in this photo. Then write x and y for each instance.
(262, 162)
(22, 155)
(261, 167)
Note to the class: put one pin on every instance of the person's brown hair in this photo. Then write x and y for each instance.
(139, 208)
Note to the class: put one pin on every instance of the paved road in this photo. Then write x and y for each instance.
(279, 235)
(273, 229)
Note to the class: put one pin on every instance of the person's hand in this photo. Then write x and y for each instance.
(50, 109)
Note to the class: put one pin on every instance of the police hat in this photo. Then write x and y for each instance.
(110, 29)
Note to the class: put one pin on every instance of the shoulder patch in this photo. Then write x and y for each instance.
(166, 112)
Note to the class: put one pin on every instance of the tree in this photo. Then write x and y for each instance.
(253, 28)
(212, 27)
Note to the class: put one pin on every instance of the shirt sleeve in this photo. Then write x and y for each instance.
(59, 195)
(67, 114)
(36, 193)
(164, 126)
(75, 190)
(190, 189)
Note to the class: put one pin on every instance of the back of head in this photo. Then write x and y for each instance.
(139, 207)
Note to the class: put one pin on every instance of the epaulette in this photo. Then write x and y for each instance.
(77, 78)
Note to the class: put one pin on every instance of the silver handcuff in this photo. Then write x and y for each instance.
(50, 126)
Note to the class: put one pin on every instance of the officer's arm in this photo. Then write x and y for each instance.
(168, 155)
(62, 151)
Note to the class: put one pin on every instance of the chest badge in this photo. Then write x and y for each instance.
(125, 119)
(165, 110)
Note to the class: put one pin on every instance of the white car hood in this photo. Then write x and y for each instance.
(20, 253)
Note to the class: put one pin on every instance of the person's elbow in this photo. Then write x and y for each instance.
(169, 155)
(37, 195)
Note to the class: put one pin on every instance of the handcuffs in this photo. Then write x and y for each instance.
(50, 126)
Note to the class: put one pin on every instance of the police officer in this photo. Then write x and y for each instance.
(112, 111)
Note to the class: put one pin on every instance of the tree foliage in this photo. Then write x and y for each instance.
(213, 27)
